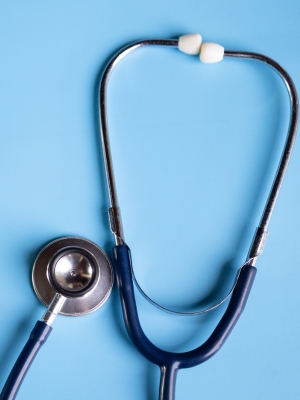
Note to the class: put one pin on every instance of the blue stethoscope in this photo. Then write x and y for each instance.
(73, 276)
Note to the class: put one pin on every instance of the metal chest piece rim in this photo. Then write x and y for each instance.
(73, 255)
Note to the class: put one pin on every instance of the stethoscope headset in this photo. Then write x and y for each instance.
(73, 276)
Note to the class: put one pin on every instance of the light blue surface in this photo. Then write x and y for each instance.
(195, 148)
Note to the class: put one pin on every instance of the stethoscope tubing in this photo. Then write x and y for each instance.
(169, 362)
(37, 338)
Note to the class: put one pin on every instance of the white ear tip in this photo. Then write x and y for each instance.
(211, 53)
(190, 44)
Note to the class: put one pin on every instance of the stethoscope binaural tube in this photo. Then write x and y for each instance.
(37, 338)
(168, 362)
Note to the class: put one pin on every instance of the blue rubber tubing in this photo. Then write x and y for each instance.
(37, 338)
(168, 362)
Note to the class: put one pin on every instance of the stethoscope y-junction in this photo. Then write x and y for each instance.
(73, 276)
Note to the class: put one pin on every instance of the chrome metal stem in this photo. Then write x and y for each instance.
(262, 230)
(54, 308)
(114, 211)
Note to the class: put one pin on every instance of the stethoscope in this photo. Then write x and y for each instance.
(73, 276)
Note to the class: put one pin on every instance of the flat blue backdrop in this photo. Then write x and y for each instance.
(195, 149)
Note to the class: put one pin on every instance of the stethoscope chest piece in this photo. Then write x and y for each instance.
(78, 270)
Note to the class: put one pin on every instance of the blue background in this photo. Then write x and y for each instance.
(195, 148)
